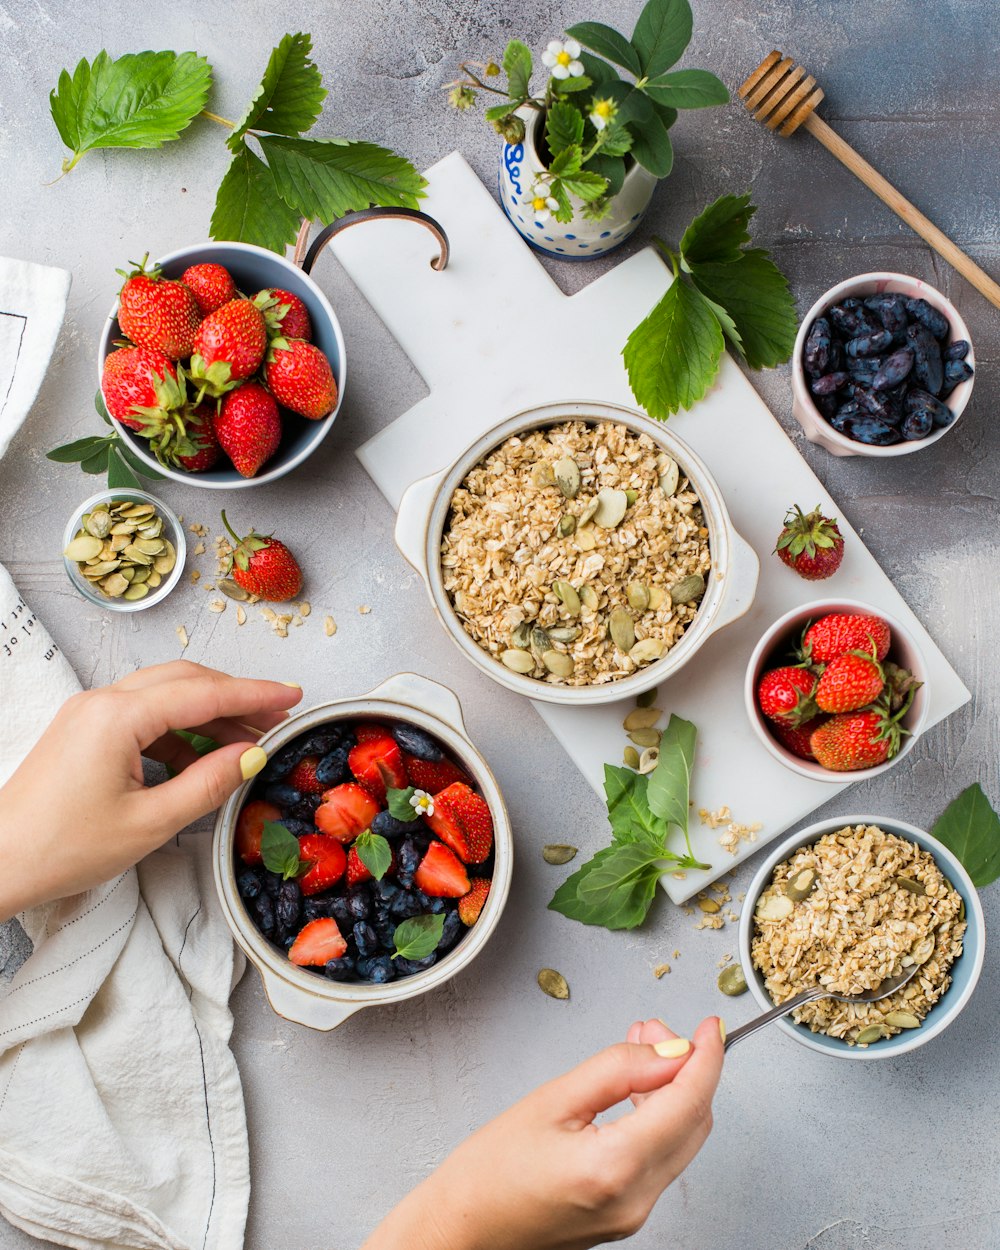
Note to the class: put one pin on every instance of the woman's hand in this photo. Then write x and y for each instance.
(544, 1176)
(77, 812)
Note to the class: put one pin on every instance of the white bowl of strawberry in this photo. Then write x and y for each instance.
(222, 364)
(371, 859)
(835, 690)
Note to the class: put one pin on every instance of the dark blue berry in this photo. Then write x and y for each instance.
(417, 743)
(322, 741)
(364, 938)
(282, 762)
(341, 969)
(893, 370)
(359, 903)
(408, 967)
(282, 795)
(877, 405)
(262, 909)
(850, 318)
(385, 931)
(378, 969)
(248, 883)
(298, 828)
(317, 907)
(340, 910)
(828, 383)
(869, 344)
(451, 931)
(285, 939)
(408, 859)
(863, 368)
(917, 424)
(272, 883)
(928, 369)
(816, 352)
(918, 401)
(385, 891)
(405, 905)
(956, 371)
(332, 768)
(874, 432)
(305, 808)
(929, 317)
(389, 827)
(288, 904)
(957, 350)
(890, 308)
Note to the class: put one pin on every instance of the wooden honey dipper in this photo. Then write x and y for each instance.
(782, 96)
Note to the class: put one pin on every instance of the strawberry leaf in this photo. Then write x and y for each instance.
(970, 828)
(673, 356)
(374, 852)
(326, 178)
(754, 292)
(398, 802)
(719, 232)
(417, 937)
(249, 208)
(291, 93)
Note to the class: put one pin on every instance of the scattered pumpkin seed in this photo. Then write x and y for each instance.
(241, 615)
(182, 636)
(637, 595)
(553, 983)
(910, 886)
(801, 885)
(649, 759)
(687, 589)
(558, 663)
(622, 629)
(630, 758)
(732, 981)
(647, 698)
(611, 506)
(558, 853)
(642, 718)
(902, 1020)
(232, 590)
(670, 475)
(709, 906)
(518, 661)
(567, 525)
(589, 598)
(775, 907)
(520, 635)
(568, 597)
(645, 650)
(542, 474)
(567, 476)
(631, 496)
(872, 1034)
(645, 737)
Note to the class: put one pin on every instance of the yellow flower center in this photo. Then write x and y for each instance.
(603, 109)
(538, 203)
(563, 57)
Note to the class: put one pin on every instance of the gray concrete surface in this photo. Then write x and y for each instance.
(806, 1152)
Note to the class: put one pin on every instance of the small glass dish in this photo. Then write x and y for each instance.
(172, 531)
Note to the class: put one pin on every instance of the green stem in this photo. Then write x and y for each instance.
(222, 121)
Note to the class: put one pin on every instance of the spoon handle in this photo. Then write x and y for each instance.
(807, 996)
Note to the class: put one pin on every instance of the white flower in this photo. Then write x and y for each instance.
(422, 803)
(602, 112)
(541, 203)
(562, 58)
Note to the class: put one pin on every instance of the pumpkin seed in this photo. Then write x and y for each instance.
(631, 496)
(98, 523)
(520, 635)
(119, 542)
(565, 633)
(231, 589)
(136, 592)
(902, 1020)
(123, 527)
(558, 853)
(649, 759)
(630, 758)
(657, 598)
(540, 641)
(150, 546)
(568, 597)
(709, 906)
(647, 698)
(83, 547)
(518, 661)
(670, 475)
(869, 1035)
(775, 907)
(646, 650)
(140, 575)
(152, 581)
(128, 573)
(923, 950)
(622, 629)
(589, 598)
(801, 885)
(153, 530)
(136, 555)
(558, 663)
(101, 569)
(732, 981)
(114, 586)
(642, 718)
(587, 515)
(611, 506)
(567, 525)
(567, 475)
(687, 589)
(645, 737)
(116, 545)
(910, 886)
(585, 540)
(165, 563)
(542, 475)
(638, 596)
(553, 983)
(136, 510)
(961, 911)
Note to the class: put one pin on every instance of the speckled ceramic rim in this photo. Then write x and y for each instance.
(817, 428)
(310, 999)
(787, 629)
(965, 971)
(299, 283)
(176, 536)
(732, 581)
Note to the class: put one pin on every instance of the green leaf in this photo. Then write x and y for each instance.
(661, 34)
(754, 292)
(279, 849)
(673, 355)
(629, 812)
(614, 889)
(568, 86)
(248, 207)
(120, 475)
(291, 93)
(82, 449)
(611, 168)
(98, 461)
(607, 42)
(585, 185)
(498, 111)
(729, 328)
(615, 141)
(687, 89)
(374, 852)
(666, 115)
(398, 802)
(720, 232)
(568, 161)
(417, 937)
(325, 179)
(133, 461)
(517, 66)
(599, 72)
(970, 828)
(564, 213)
(563, 127)
(633, 106)
(102, 408)
(670, 781)
(140, 100)
(651, 145)
(201, 743)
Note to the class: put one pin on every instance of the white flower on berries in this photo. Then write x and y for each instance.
(562, 57)
(602, 113)
(541, 203)
(422, 803)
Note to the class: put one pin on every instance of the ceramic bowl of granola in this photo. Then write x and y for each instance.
(577, 553)
(849, 902)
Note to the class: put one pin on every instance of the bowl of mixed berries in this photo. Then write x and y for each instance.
(223, 365)
(834, 690)
(370, 859)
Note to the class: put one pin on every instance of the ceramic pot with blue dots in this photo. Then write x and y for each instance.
(580, 239)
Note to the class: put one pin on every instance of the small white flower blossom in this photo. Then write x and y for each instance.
(541, 203)
(562, 58)
(422, 803)
(602, 113)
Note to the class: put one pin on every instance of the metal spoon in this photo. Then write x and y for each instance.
(883, 990)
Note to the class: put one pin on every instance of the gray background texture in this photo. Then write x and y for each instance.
(807, 1152)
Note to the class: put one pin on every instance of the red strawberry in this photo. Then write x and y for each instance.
(471, 904)
(346, 810)
(849, 682)
(378, 762)
(212, 286)
(433, 775)
(318, 942)
(248, 427)
(137, 381)
(462, 819)
(157, 312)
(796, 738)
(858, 739)
(285, 314)
(264, 567)
(229, 346)
(366, 731)
(810, 545)
(328, 862)
(356, 870)
(440, 874)
(785, 694)
(303, 776)
(250, 829)
(838, 632)
(300, 377)
(204, 450)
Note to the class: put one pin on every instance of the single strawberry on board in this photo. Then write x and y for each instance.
(318, 942)
(797, 738)
(285, 314)
(838, 632)
(470, 905)
(248, 427)
(849, 682)
(264, 566)
(212, 286)
(861, 739)
(137, 380)
(157, 312)
(300, 378)
(229, 346)
(810, 544)
(786, 694)
(461, 819)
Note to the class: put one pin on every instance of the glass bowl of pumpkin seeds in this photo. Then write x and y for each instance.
(124, 550)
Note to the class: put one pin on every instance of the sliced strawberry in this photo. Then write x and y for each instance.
(462, 819)
(433, 775)
(356, 870)
(328, 862)
(367, 730)
(318, 942)
(471, 904)
(303, 776)
(345, 811)
(440, 874)
(250, 829)
(378, 762)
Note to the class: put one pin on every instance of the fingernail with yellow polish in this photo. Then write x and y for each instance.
(294, 684)
(252, 761)
(672, 1048)
(722, 1030)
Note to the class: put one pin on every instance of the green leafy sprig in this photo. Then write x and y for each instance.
(108, 453)
(398, 803)
(374, 852)
(279, 850)
(970, 828)
(417, 937)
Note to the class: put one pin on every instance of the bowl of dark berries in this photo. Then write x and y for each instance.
(370, 860)
(883, 366)
(835, 690)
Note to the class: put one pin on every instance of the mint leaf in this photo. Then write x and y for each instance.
(629, 812)
(970, 828)
(585, 185)
(120, 474)
(720, 231)
(140, 100)
(517, 66)
(327, 178)
(198, 742)
(417, 937)
(661, 34)
(687, 89)
(291, 93)
(374, 852)
(669, 789)
(279, 850)
(248, 207)
(755, 293)
(563, 127)
(398, 802)
(607, 42)
(614, 889)
(673, 356)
